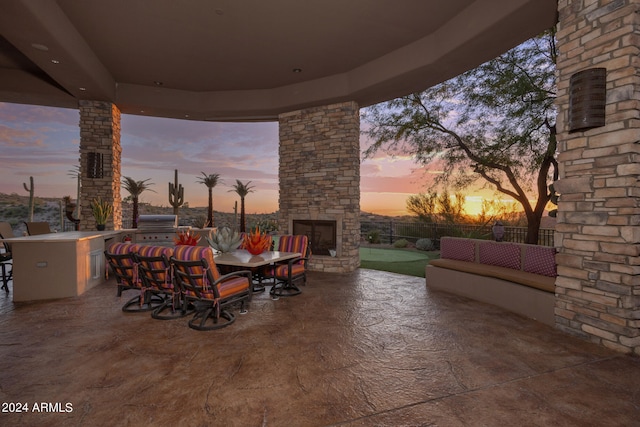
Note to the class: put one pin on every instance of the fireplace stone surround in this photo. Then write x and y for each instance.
(319, 175)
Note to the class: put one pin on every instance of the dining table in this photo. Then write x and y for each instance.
(242, 258)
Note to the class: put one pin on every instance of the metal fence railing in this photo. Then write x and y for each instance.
(390, 231)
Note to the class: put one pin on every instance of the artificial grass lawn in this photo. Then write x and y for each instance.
(401, 261)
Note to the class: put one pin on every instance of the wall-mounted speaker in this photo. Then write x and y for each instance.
(587, 99)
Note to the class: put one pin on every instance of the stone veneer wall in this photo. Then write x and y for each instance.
(100, 133)
(319, 176)
(598, 285)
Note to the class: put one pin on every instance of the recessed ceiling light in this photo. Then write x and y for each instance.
(55, 61)
(82, 88)
(158, 83)
(297, 70)
(40, 46)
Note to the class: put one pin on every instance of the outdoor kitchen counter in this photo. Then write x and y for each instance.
(58, 265)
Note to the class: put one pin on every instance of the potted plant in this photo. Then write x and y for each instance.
(187, 238)
(224, 240)
(257, 242)
(101, 212)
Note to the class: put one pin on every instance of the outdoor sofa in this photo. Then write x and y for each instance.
(517, 277)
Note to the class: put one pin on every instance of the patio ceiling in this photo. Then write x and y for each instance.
(250, 59)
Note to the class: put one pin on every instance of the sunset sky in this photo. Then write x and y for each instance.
(43, 142)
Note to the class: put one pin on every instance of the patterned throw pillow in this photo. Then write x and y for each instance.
(540, 260)
(459, 249)
(500, 254)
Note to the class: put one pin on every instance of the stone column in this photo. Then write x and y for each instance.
(319, 176)
(100, 143)
(598, 285)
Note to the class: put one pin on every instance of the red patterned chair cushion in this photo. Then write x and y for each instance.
(233, 285)
(196, 253)
(122, 248)
(458, 249)
(540, 260)
(290, 243)
(226, 288)
(156, 251)
(125, 266)
(500, 254)
(282, 270)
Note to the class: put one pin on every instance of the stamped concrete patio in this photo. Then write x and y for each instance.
(362, 349)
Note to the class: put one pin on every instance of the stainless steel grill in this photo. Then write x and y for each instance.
(156, 229)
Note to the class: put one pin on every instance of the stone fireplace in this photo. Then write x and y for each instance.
(319, 176)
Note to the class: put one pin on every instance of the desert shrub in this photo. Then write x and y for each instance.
(425, 244)
(199, 221)
(265, 225)
(400, 243)
(374, 236)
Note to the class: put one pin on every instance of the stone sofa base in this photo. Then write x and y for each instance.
(481, 285)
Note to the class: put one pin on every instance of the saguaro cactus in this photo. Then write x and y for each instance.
(31, 198)
(176, 194)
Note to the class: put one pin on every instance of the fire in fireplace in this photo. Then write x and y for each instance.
(321, 234)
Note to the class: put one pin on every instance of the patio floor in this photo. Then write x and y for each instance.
(363, 349)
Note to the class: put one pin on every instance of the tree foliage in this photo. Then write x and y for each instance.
(434, 207)
(494, 124)
(438, 208)
(135, 189)
(209, 181)
(242, 190)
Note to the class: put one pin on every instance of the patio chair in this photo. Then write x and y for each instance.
(209, 292)
(287, 275)
(121, 260)
(6, 258)
(156, 273)
(35, 228)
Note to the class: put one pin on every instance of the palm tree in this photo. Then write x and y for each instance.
(242, 190)
(135, 188)
(210, 181)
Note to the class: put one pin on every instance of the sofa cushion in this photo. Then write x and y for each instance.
(540, 260)
(537, 281)
(458, 249)
(500, 254)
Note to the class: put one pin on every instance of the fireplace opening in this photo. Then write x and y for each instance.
(321, 234)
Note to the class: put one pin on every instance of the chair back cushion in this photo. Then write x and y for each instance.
(196, 253)
(155, 252)
(122, 248)
(294, 243)
(155, 272)
(120, 258)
